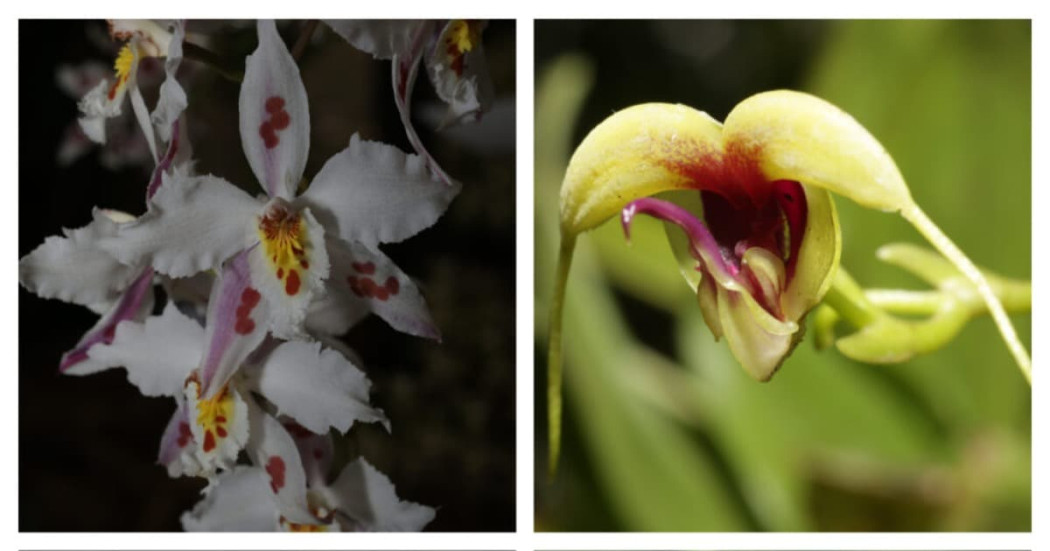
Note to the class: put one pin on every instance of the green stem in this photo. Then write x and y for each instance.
(211, 59)
(942, 243)
(846, 297)
(568, 244)
(900, 301)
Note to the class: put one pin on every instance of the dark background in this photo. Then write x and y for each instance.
(87, 446)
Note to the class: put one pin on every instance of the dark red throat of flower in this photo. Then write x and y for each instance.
(774, 220)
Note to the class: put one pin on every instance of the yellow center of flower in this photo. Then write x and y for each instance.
(462, 36)
(284, 239)
(213, 416)
(122, 68)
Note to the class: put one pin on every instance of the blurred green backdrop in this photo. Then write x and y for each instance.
(663, 429)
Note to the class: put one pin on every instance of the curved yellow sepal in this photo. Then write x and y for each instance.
(627, 157)
(796, 136)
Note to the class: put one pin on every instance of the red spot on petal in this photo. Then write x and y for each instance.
(268, 135)
(304, 263)
(220, 418)
(244, 326)
(275, 468)
(209, 441)
(291, 286)
(221, 431)
(184, 435)
(250, 296)
(393, 285)
(107, 335)
(280, 273)
(364, 267)
(368, 286)
(280, 120)
(355, 285)
(274, 104)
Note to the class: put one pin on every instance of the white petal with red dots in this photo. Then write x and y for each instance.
(361, 277)
(289, 266)
(177, 446)
(374, 193)
(275, 119)
(195, 223)
(237, 501)
(380, 37)
(369, 499)
(237, 323)
(274, 450)
(75, 269)
(158, 354)
(135, 303)
(317, 387)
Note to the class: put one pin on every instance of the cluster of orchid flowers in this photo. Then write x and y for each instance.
(259, 288)
(748, 209)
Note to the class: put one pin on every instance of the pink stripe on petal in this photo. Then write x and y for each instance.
(127, 308)
(237, 323)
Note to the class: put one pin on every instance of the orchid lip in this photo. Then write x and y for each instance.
(703, 245)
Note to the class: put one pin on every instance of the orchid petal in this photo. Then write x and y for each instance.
(383, 38)
(195, 224)
(365, 278)
(134, 304)
(172, 99)
(158, 354)
(236, 501)
(369, 499)
(219, 425)
(177, 446)
(796, 136)
(317, 387)
(374, 193)
(315, 450)
(818, 257)
(456, 66)
(635, 153)
(237, 324)
(404, 69)
(759, 351)
(275, 118)
(141, 112)
(289, 267)
(74, 269)
(274, 450)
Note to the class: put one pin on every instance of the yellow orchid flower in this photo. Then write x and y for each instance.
(761, 239)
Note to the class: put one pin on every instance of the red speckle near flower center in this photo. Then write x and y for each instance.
(184, 435)
(279, 120)
(275, 468)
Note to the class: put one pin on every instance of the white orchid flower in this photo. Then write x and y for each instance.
(217, 415)
(367, 194)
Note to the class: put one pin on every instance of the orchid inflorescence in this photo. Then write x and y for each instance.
(748, 209)
(259, 288)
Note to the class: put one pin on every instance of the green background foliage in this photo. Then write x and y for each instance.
(664, 430)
